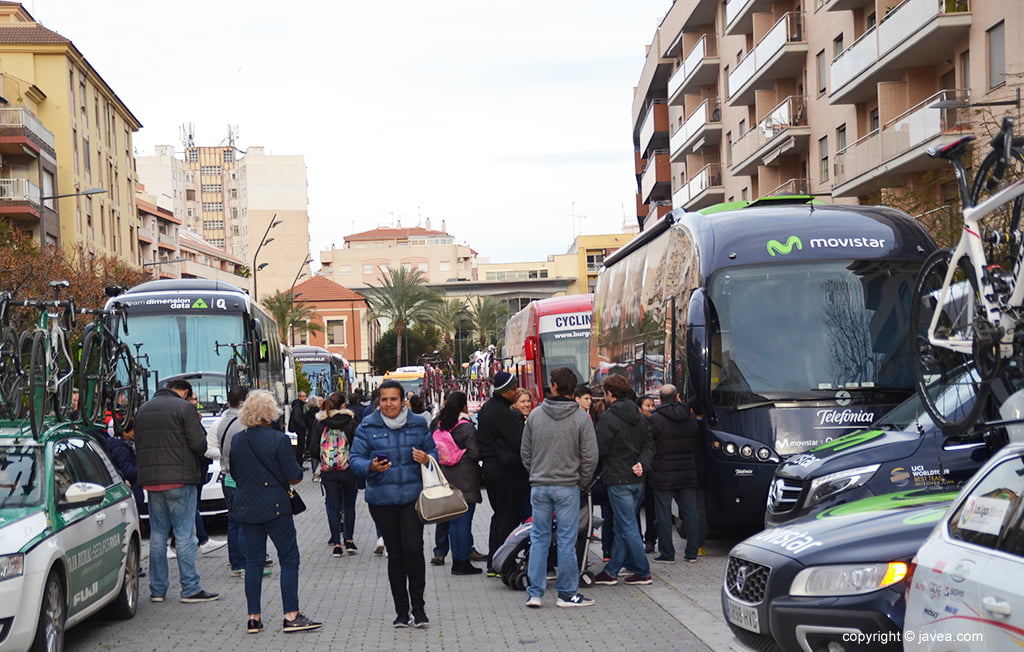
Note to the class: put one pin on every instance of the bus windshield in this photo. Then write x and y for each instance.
(565, 349)
(185, 342)
(790, 331)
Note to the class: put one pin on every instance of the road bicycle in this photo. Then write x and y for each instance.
(107, 375)
(966, 308)
(238, 373)
(12, 375)
(50, 366)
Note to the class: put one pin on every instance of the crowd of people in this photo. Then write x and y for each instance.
(535, 461)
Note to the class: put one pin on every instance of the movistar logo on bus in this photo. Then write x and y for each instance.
(776, 247)
(794, 242)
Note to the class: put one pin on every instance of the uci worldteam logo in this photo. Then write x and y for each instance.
(776, 247)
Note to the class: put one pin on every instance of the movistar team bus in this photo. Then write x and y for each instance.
(784, 323)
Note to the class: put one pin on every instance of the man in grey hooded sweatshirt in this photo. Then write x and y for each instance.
(559, 450)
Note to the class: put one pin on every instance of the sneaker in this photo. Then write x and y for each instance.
(350, 547)
(535, 602)
(638, 579)
(202, 596)
(437, 560)
(493, 573)
(401, 622)
(338, 551)
(692, 561)
(702, 552)
(254, 626)
(476, 556)
(577, 600)
(662, 559)
(156, 598)
(605, 579)
(237, 572)
(378, 548)
(212, 545)
(172, 553)
(300, 624)
(649, 547)
(420, 621)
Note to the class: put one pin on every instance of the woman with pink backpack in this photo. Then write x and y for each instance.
(458, 453)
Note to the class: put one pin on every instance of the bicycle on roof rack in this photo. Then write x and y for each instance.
(238, 373)
(108, 377)
(12, 373)
(50, 366)
(966, 310)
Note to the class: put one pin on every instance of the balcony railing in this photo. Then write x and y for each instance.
(788, 29)
(658, 171)
(709, 176)
(19, 190)
(681, 196)
(898, 137)
(705, 114)
(656, 120)
(897, 27)
(788, 114)
(22, 118)
(791, 187)
(704, 49)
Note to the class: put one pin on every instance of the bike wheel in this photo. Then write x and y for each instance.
(1007, 218)
(950, 387)
(24, 365)
(124, 388)
(10, 375)
(37, 378)
(64, 374)
(90, 377)
(233, 376)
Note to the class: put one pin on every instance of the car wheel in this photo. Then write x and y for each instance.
(50, 630)
(127, 601)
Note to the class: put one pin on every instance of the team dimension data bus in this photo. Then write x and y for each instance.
(784, 323)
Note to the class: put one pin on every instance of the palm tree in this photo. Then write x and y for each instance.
(487, 317)
(291, 315)
(446, 317)
(402, 298)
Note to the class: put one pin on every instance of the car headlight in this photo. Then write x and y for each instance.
(12, 566)
(833, 483)
(847, 579)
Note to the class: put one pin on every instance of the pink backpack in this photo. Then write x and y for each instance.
(448, 452)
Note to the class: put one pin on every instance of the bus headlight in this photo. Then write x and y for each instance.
(834, 483)
(847, 579)
(730, 448)
(12, 566)
(747, 450)
(763, 453)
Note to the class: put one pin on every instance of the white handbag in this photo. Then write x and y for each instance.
(439, 502)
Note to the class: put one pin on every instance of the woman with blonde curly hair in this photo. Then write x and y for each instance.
(263, 465)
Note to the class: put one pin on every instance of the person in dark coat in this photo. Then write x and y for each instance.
(465, 475)
(500, 437)
(122, 454)
(312, 442)
(263, 466)
(297, 424)
(673, 474)
(340, 485)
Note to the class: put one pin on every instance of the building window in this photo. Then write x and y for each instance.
(335, 329)
(997, 55)
(212, 187)
(234, 193)
(819, 60)
(345, 269)
(190, 194)
(234, 212)
(209, 170)
(823, 152)
(594, 262)
(424, 267)
(74, 142)
(229, 155)
(837, 46)
(873, 119)
(86, 154)
(213, 225)
(217, 242)
(192, 155)
(188, 211)
(840, 138)
(965, 69)
(213, 206)
(367, 269)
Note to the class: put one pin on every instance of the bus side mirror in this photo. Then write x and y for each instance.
(531, 347)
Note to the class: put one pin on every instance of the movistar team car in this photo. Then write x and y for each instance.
(966, 588)
(69, 535)
(834, 581)
(903, 450)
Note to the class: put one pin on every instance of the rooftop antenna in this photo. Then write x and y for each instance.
(187, 132)
(574, 217)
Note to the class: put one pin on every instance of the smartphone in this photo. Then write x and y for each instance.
(383, 458)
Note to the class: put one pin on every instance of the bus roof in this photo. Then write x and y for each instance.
(565, 304)
(185, 284)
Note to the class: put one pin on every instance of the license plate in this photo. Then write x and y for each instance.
(742, 616)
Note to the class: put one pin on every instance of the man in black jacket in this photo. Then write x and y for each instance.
(674, 473)
(169, 441)
(297, 424)
(500, 436)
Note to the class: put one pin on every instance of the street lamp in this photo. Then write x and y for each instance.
(255, 268)
(46, 198)
(157, 263)
(291, 297)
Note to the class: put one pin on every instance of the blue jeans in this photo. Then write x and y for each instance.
(628, 548)
(281, 531)
(564, 502)
(441, 532)
(686, 499)
(460, 531)
(236, 540)
(173, 510)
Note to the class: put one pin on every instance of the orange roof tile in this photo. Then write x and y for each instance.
(385, 233)
(321, 288)
(30, 34)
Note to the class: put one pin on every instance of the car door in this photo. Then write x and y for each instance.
(92, 535)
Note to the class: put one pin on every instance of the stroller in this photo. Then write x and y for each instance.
(512, 557)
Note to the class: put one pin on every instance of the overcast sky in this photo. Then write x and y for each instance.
(503, 120)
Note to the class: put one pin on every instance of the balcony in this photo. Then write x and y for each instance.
(843, 5)
(657, 176)
(791, 187)
(906, 38)
(654, 128)
(700, 68)
(739, 15)
(703, 127)
(780, 54)
(783, 131)
(703, 189)
(898, 148)
(19, 129)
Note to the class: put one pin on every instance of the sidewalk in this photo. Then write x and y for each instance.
(679, 611)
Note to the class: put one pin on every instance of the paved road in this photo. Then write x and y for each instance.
(679, 611)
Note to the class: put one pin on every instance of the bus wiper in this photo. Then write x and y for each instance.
(872, 388)
(750, 406)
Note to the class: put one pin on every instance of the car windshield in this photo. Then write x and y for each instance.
(911, 415)
(793, 330)
(21, 476)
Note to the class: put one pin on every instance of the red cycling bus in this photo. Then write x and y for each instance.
(546, 334)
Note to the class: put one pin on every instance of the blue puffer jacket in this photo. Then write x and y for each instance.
(401, 484)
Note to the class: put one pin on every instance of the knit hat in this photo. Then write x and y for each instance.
(504, 381)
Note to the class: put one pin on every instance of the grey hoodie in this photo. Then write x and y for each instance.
(559, 447)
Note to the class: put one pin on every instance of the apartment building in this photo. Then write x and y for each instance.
(837, 98)
(237, 201)
(158, 236)
(67, 172)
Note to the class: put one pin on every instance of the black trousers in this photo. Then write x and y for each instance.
(407, 570)
(508, 491)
